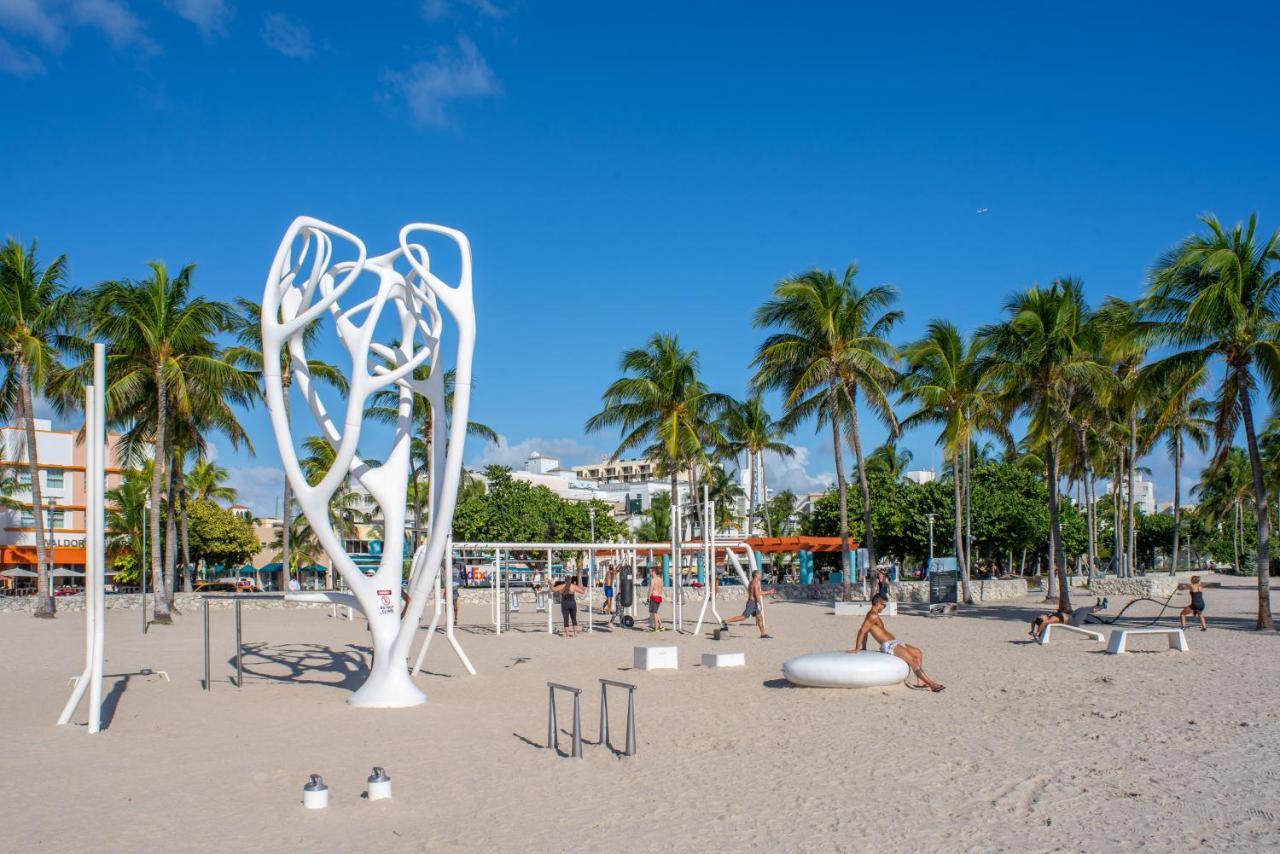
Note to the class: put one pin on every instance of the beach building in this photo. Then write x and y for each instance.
(636, 470)
(1144, 493)
(63, 484)
(922, 476)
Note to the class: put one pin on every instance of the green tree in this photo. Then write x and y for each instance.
(35, 309)
(1039, 357)
(207, 481)
(126, 521)
(749, 429)
(830, 346)
(1214, 297)
(218, 536)
(1179, 415)
(890, 460)
(164, 369)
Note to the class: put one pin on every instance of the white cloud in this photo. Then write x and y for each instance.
(19, 62)
(430, 87)
(209, 16)
(434, 10)
(570, 452)
(113, 19)
(259, 487)
(782, 473)
(287, 36)
(33, 18)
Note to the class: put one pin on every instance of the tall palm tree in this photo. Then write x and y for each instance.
(208, 481)
(889, 460)
(660, 405)
(724, 491)
(246, 354)
(1216, 295)
(945, 381)
(126, 518)
(1224, 489)
(1039, 359)
(829, 346)
(1179, 415)
(749, 429)
(35, 310)
(162, 357)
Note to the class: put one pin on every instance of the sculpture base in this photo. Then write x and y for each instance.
(388, 688)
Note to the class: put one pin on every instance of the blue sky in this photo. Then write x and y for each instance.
(626, 170)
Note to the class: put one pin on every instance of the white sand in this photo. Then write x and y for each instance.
(1029, 748)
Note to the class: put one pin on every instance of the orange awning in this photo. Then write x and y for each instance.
(27, 555)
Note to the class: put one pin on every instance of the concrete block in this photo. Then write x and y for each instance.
(654, 658)
(724, 659)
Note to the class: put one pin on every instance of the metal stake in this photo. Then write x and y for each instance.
(206, 644)
(551, 716)
(239, 661)
(577, 727)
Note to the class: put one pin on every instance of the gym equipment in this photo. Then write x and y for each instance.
(1067, 627)
(631, 715)
(845, 670)
(553, 736)
(1116, 644)
(379, 784)
(315, 794)
(655, 658)
(724, 659)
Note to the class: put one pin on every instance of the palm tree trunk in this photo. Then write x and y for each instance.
(833, 413)
(968, 510)
(856, 440)
(187, 581)
(161, 615)
(1055, 534)
(45, 603)
(1177, 497)
(1117, 496)
(751, 493)
(959, 526)
(171, 532)
(1133, 491)
(1262, 513)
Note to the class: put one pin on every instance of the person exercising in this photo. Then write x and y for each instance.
(873, 626)
(1196, 606)
(568, 588)
(755, 606)
(655, 599)
(1039, 624)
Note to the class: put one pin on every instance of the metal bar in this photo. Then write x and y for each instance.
(564, 687)
(604, 714)
(206, 644)
(577, 727)
(551, 717)
(631, 722)
(239, 662)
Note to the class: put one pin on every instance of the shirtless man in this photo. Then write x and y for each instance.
(873, 626)
(608, 590)
(755, 605)
(655, 600)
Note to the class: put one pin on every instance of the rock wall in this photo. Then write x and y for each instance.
(1152, 586)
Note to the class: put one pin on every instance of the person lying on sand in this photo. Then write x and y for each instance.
(1038, 624)
(1196, 607)
(873, 626)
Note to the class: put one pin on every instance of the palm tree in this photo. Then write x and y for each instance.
(1224, 488)
(1179, 415)
(35, 312)
(246, 326)
(1217, 296)
(207, 481)
(750, 429)
(162, 358)
(126, 518)
(944, 379)
(660, 405)
(724, 491)
(889, 460)
(1039, 359)
(829, 346)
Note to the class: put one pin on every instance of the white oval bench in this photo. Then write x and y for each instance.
(1116, 644)
(845, 670)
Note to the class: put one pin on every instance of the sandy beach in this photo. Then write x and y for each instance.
(1058, 748)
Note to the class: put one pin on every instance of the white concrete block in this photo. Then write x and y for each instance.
(860, 609)
(1065, 627)
(655, 658)
(1118, 642)
(724, 659)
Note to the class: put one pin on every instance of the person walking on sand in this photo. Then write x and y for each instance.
(873, 626)
(568, 588)
(655, 599)
(1196, 606)
(755, 606)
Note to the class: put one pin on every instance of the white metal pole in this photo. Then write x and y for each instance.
(96, 526)
(551, 629)
(82, 681)
(431, 630)
(591, 587)
(448, 621)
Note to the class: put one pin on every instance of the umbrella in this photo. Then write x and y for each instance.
(18, 572)
(62, 572)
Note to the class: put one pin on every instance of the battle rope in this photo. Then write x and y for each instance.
(1164, 606)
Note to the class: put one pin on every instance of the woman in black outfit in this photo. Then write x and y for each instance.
(568, 588)
(1196, 607)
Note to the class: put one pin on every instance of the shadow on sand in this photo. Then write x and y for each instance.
(307, 664)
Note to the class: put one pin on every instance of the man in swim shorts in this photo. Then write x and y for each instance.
(873, 626)
(608, 590)
(755, 605)
(655, 599)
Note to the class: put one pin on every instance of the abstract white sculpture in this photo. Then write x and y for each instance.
(304, 285)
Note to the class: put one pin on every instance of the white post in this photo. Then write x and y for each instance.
(431, 630)
(95, 536)
(551, 629)
(591, 589)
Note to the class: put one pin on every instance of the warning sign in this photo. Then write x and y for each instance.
(385, 603)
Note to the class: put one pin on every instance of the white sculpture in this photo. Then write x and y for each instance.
(305, 284)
